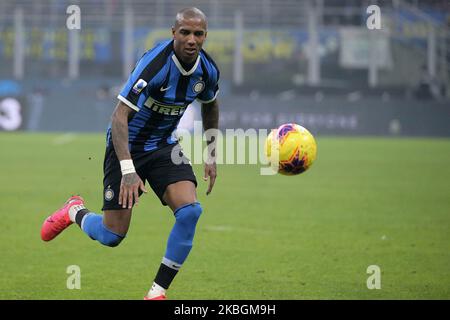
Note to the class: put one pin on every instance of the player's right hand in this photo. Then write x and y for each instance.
(129, 190)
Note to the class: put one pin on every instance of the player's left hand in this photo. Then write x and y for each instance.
(211, 172)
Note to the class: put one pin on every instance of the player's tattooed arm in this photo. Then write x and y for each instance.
(131, 182)
(119, 130)
(210, 118)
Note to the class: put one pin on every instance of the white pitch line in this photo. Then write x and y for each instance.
(219, 228)
(64, 138)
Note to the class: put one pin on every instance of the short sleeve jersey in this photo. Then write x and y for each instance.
(159, 89)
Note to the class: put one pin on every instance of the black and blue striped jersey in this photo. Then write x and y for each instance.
(159, 89)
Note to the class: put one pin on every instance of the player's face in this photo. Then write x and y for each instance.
(188, 37)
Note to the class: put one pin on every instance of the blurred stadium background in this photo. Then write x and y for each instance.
(316, 61)
(378, 102)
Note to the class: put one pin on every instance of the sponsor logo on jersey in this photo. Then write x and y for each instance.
(139, 86)
(166, 109)
(164, 89)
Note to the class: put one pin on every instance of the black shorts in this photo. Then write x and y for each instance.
(156, 167)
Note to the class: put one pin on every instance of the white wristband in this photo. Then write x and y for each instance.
(127, 166)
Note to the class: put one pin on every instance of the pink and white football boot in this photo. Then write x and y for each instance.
(59, 220)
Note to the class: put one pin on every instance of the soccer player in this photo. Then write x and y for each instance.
(140, 146)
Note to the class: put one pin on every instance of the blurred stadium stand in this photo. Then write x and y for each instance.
(282, 48)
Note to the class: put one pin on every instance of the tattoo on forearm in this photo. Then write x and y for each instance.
(130, 178)
(120, 138)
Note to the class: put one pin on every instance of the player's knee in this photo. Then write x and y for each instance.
(109, 238)
(112, 242)
(189, 213)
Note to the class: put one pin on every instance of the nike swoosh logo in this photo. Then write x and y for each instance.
(165, 89)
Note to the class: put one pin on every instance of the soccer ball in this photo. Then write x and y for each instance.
(296, 146)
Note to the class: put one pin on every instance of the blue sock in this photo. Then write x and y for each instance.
(92, 225)
(180, 239)
(179, 244)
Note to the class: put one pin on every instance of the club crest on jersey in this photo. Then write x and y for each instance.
(199, 86)
(139, 86)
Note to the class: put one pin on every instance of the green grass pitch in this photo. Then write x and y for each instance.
(366, 201)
